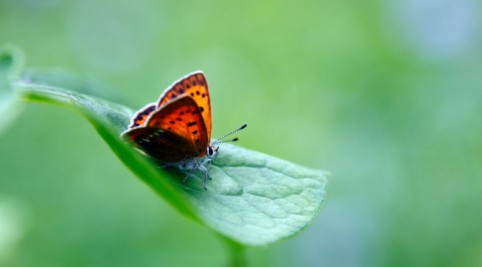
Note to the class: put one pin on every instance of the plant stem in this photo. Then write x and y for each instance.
(236, 253)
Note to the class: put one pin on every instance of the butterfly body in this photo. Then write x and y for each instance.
(176, 131)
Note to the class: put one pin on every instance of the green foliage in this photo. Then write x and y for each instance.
(253, 198)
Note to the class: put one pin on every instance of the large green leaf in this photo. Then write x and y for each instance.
(253, 198)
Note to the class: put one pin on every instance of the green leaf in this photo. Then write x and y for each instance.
(11, 61)
(252, 199)
(257, 199)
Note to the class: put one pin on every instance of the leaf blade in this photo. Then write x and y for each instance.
(276, 198)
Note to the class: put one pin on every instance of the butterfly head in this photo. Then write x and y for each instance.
(212, 149)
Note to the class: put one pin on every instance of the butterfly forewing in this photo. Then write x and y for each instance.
(182, 117)
(196, 87)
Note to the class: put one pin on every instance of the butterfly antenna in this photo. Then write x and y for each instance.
(218, 141)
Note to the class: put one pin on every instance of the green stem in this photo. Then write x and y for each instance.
(237, 257)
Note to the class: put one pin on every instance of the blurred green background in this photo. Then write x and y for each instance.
(387, 95)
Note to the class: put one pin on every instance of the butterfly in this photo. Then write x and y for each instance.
(176, 130)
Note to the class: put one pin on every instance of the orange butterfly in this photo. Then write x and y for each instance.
(177, 129)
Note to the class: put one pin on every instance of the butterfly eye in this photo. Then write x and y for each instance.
(210, 151)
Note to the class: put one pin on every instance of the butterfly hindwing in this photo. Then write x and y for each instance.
(195, 86)
(141, 116)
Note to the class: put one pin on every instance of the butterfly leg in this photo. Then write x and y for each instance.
(206, 176)
(187, 176)
(207, 170)
(162, 165)
(202, 168)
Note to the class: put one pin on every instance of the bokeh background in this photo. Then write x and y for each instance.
(386, 95)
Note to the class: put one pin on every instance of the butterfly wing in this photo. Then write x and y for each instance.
(141, 116)
(195, 86)
(172, 133)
